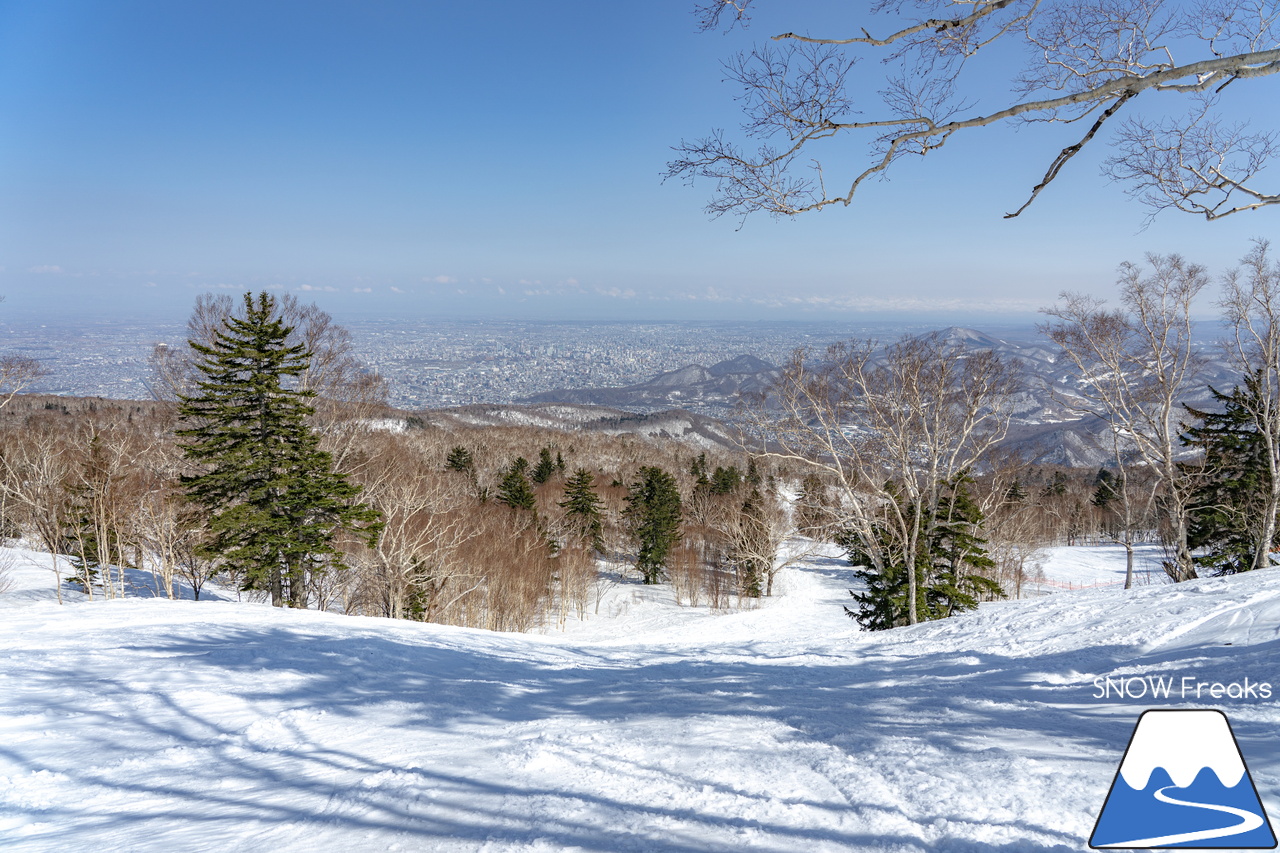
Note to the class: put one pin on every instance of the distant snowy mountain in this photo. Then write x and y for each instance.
(1046, 428)
(694, 429)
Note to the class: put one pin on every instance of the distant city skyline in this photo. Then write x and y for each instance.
(433, 363)
(491, 161)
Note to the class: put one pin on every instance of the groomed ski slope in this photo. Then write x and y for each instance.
(151, 725)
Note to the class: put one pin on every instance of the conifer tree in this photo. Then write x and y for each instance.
(582, 508)
(461, 460)
(1106, 491)
(273, 498)
(725, 480)
(949, 568)
(1015, 493)
(514, 489)
(1226, 524)
(958, 554)
(546, 467)
(698, 470)
(653, 510)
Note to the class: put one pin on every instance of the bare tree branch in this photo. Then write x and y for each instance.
(17, 372)
(1084, 57)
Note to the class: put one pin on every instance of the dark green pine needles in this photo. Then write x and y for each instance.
(274, 500)
(653, 513)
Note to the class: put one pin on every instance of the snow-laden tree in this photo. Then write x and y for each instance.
(1086, 63)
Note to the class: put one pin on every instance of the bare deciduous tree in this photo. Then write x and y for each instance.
(1251, 308)
(1136, 364)
(889, 426)
(1069, 62)
(413, 562)
(17, 372)
(36, 477)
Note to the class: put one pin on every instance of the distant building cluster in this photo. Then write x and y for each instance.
(437, 364)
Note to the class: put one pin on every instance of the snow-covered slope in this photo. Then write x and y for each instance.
(146, 725)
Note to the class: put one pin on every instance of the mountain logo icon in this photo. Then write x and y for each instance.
(1183, 783)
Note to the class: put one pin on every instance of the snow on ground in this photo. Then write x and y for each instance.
(1077, 567)
(151, 725)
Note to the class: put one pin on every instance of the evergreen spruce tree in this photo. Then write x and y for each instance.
(514, 489)
(698, 470)
(883, 602)
(725, 480)
(273, 498)
(581, 507)
(1106, 489)
(1056, 487)
(1015, 494)
(949, 569)
(654, 510)
(461, 460)
(1227, 507)
(959, 558)
(546, 467)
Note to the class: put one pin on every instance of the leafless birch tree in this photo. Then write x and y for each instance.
(426, 521)
(1251, 308)
(889, 426)
(1136, 364)
(37, 476)
(17, 372)
(1070, 62)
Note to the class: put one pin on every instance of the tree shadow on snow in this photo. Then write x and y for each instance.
(246, 701)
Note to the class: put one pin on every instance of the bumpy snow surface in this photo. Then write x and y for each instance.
(153, 725)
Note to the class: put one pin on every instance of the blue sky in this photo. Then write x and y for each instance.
(499, 159)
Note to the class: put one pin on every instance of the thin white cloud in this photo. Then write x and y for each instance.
(362, 290)
(897, 303)
(45, 268)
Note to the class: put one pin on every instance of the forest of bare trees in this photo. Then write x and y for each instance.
(95, 485)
